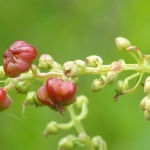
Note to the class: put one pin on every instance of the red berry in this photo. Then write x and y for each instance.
(57, 94)
(18, 58)
(4, 100)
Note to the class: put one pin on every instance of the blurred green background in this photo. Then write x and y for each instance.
(70, 30)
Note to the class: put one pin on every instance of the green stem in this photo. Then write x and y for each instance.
(105, 68)
(77, 123)
(137, 84)
(80, 129)
(132, 76)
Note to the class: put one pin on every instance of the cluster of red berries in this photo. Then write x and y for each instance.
(55, 93)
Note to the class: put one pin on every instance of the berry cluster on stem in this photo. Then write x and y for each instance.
(58, 91)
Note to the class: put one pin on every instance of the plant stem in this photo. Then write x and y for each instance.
(77, 123)
(80, 129)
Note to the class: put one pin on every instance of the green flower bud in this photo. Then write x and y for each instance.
(93, 61)
(51, 128)
(147, 115)
(144, 102)
(36, 102)
(122, 43)
(147, 85)
(81, 64)
(80, 100)
(147, 107)
(98, 84)
(66, 143)
(71, 69)
(116, 67)
(111, 77)
(121, 86)
(29, 98)
(98, 142)
(2, 73)
(45, 62)
(23, 87)
(121, 61)
(84, 137)
(95, 142)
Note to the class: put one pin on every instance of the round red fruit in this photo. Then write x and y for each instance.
(18, 58)
(5, 101)
(57, 94)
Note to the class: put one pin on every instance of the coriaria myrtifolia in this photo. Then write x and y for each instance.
(57, 94)
(18, 58)
(59, 88)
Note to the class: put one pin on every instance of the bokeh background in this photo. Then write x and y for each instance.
(70, 30)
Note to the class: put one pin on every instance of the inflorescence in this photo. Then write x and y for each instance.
(58, 91)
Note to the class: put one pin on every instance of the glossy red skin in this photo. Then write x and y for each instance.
(60, 91)
(5, 101)
(57, 94)
(18, 58)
